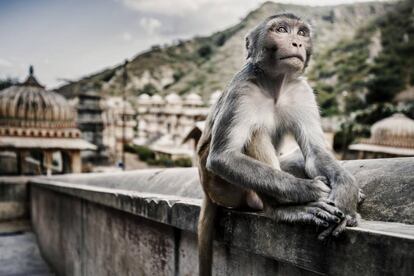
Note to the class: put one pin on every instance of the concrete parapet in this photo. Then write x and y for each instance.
(388, 184)
(144, 223)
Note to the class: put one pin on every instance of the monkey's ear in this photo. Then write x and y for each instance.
(251, 42)
(248, 47)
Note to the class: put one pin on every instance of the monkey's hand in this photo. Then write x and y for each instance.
(318, 189)
(345, 194)
(304, 191)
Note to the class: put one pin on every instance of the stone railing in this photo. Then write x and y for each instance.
(144, 223)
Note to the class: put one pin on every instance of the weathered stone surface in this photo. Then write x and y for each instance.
(92, 220)
(389, 186)
(144, 223)
(387, 183)
(92, 239)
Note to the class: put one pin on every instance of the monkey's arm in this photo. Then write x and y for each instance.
(320, 161)
(231, 131)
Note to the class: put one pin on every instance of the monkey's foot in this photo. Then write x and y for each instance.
(317, 213)
(336, 229)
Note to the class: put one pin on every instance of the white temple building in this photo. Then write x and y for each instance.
(116, 113)
(163, 123)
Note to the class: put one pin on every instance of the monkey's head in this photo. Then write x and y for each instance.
(281, 44)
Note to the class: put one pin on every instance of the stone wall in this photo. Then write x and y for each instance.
(144, 223)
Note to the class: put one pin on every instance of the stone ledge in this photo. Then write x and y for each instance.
(388, 184)
(374, 248)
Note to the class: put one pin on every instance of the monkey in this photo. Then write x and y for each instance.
(238, 161)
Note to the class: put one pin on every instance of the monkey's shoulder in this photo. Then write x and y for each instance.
(297, 92)
(242, 88)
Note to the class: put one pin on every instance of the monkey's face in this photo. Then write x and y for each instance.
(285, 46)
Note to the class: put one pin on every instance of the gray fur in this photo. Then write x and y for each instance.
(239, 162)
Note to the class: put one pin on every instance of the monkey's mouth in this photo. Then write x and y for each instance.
(293, 56)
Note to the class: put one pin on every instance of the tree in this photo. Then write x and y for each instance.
(5, 83)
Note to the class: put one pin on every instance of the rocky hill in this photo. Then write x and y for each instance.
(204, 64)
(370, 75)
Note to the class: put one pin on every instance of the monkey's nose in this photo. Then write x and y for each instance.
(294, 44)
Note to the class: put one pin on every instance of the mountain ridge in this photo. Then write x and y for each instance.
(205, 64)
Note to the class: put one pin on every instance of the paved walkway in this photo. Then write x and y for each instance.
(19, 255)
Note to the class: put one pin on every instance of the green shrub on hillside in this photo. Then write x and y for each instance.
(205, 51)
(147, 155)
(143, 152)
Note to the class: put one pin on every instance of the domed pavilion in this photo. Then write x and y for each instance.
(392, 136)
(38, 133)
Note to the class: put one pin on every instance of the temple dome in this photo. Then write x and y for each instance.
(395, 131)
(157, 99)
(144, 97)
(30, 105)
(173, 98)
(193, 99)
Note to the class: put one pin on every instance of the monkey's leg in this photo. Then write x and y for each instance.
(262, 149)
(294, 163)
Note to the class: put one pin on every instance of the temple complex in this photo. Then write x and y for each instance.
(164, 123)
(38, 133)
(119, 124)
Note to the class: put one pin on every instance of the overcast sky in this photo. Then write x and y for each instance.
(68, 39)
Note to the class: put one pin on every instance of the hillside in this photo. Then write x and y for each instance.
(205, 64)
(371, 67)
(358, 79)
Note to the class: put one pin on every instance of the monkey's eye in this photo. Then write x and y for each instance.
(281, 30)
(302, 33)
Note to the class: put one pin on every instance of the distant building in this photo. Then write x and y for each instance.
(119, 123)
(393, 136)
(38, 133)
(90, 122)
(164, 123)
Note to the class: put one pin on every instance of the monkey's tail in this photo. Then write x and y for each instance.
(205, 236)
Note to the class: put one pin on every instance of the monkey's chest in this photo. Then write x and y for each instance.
(277, 116)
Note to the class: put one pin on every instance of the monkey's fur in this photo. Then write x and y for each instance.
(238, 151)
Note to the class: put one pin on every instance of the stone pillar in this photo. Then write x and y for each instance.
(48, 158)
(75, 161)
(361, 155)
(23, 164)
